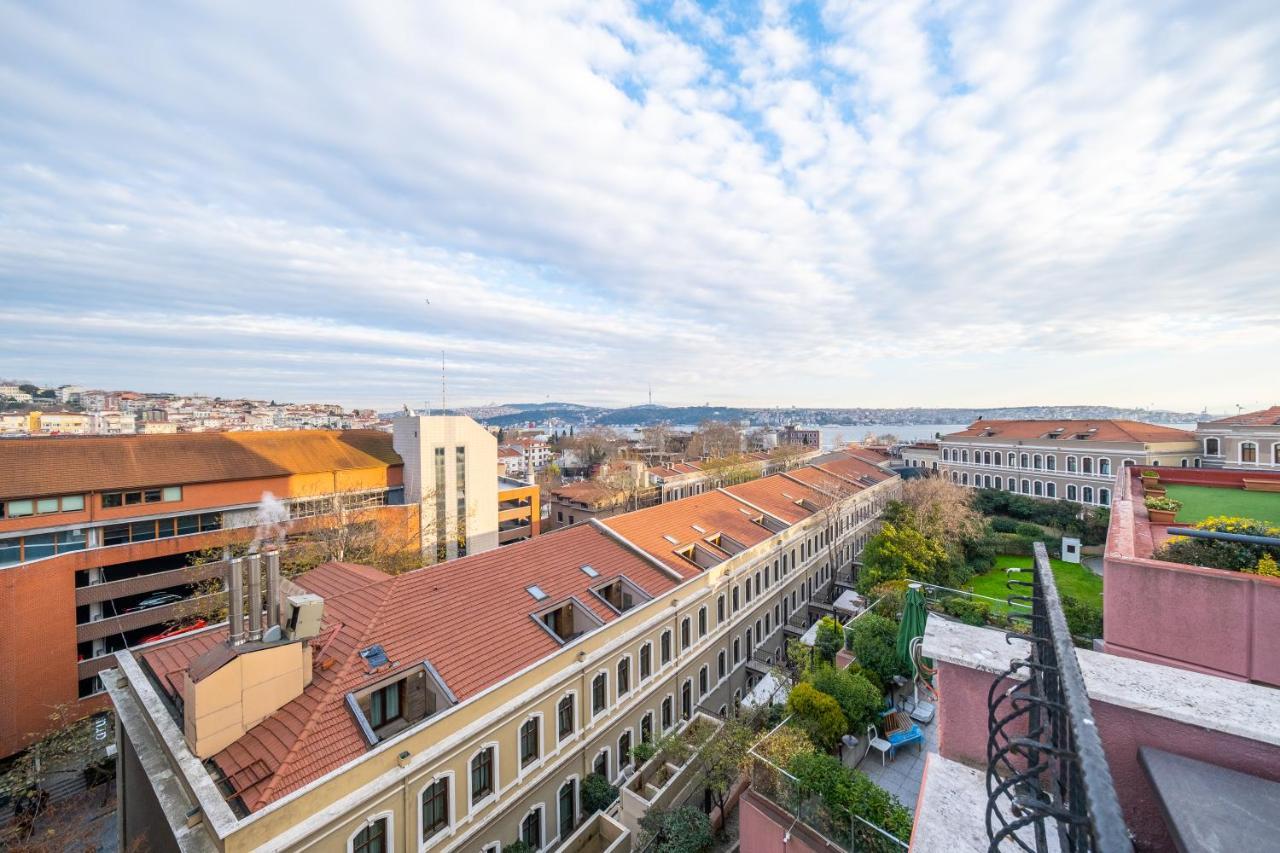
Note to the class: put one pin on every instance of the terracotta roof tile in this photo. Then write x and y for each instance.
(1100, 430)
(1263, 417)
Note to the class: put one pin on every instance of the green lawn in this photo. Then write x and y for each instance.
(1200, 502)
(1072, 579)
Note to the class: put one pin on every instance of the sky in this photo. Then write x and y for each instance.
(905, 203)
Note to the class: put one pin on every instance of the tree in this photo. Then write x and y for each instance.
(848, 792)
(784, 745)
(943, 510)
(730, 470)
(597, 793)
(873, 641)
(726, 757)
(830, 639)
(818, 714)
(713, 439)
(594, 446)
(70, 746)
(655, 436)
(681, 830)
(859, 699)
(900, 551)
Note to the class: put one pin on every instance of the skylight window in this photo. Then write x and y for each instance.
(536, 592)
(698, 528)
(590, 572)
(673, 540)
(375, 657)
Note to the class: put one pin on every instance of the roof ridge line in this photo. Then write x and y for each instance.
(637, 550)
(758, 509)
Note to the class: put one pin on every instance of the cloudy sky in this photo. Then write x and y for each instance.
(947, 203)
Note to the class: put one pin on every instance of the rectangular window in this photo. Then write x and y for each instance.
(17, 509)
(188, 524)
(666, 713)
(435, 808)
(10, 551)
(73, 503)
(529, 742)
(531, 829)
(564, 718)
(624, 676)
(171, 493)
(384, 705)
(46, 505)
(442, 546)
(666, 647)
(38, 547)
(624, 748)
(685, 638)
(142, 531)
(702, 622)
(646, 660)
(112, 499)
(460, 482)
(599, 694)
(482, 775)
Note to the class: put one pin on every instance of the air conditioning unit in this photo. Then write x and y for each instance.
(303, 616)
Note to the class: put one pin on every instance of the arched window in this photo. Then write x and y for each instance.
(1026, 487)
(1196, 462)
(1072, 465)
(999, 483)
(1275, 453)
(1086, 464)
(986, 457)
(1051, 463)
(1051, 490)
(955, 478)
(1012, 457)
(1212, 447)
(1104, 466)
(946, 455)
(1248, 452)
(964, 456)
(995, 458)
(1024, 460)
(373, 837)
(986, 481)
(964, 479)
(1087, 493)
(1038, 489)
(1037, 462)
(1013, 484)
(1104, 497)
(1183, 463)
(1071, 491)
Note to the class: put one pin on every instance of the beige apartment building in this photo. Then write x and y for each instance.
(1248, 440)
(1064, 460)
(461, 706)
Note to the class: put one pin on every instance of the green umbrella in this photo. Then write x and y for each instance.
(914, 616)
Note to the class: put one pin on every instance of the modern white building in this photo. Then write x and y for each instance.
(450, 465)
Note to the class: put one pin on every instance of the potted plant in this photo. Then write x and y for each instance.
(1162, 510)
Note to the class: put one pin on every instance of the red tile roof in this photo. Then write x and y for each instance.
(778, 496)
(714, 512)
(1263, 417)
(587, 492)
(66, 465)
(1102, 430)
(428, 614)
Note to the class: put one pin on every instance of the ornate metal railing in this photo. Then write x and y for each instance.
(1048, 783)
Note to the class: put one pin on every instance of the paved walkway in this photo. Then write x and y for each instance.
(900, 775)
(1093, 564)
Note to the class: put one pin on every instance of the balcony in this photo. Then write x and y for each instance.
(1070, 742)
(599, 833)
(671, 774)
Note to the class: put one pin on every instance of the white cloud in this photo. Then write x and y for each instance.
(595, 198)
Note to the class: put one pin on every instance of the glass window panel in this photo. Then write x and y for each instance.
(141, 531)
(112, 499)
(132, 498)
(172, 493)
(72, 503)
(188, 524)
(39, 546)
(211, 521)
(10, 551)
(47, 505)
(17, 508)
(70, 540)
(151, 496)
(116, 534)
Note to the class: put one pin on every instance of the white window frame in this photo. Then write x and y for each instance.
(605, 710)
(631, 677)
(447, 832)
(577, 805)
(522, 769)
(390, 818)
(493, 795)
(577, 719)
(542, 820)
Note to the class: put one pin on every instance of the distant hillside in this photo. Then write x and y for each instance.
(517, 413)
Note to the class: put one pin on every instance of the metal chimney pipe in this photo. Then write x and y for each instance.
(235, 600)
(273, 589)
(255, 598)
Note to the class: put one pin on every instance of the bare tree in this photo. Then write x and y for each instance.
(655, 436)
(713, 439)
(594, 446)
(942, 510)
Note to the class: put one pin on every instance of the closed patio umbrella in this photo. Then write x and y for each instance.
(910, 632)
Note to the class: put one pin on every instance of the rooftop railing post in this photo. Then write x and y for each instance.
(1054, 771)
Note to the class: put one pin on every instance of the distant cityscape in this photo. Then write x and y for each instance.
(28, 408)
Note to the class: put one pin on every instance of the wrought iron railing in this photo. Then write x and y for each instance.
(1048, 783)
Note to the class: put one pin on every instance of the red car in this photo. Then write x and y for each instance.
(175, 631)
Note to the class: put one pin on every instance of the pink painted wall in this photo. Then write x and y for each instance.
(761, 829)
(1208, 620)
(963, 737)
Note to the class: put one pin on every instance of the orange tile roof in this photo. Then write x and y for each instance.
(1105, 430)
(714, 512)
(432, 614)
(1263, 417)
(587, 492)
(777, 496)
(52, 466)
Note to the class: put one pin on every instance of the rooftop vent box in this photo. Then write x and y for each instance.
(303, 616)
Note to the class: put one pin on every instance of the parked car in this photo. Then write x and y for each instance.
(175, 631)
(158, 599)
